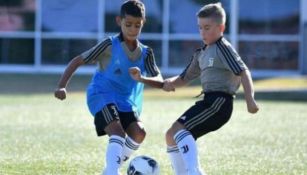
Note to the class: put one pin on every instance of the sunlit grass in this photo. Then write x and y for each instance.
(41, 135)
(282, 83)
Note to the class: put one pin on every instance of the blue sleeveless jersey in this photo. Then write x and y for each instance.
(114, 84)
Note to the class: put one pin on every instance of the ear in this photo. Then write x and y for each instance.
(222, 27)
(118, 20)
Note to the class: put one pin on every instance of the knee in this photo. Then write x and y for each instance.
(169, 137)
(140, 136)
(114, 128)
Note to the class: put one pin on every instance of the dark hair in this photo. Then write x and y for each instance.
(134, 8)
(214, 11)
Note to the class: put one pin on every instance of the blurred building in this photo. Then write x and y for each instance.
(44, 35)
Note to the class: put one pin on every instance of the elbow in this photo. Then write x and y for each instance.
(159, 78)
(78, 61)
(244, 72)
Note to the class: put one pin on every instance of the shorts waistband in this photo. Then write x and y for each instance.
(219, 93)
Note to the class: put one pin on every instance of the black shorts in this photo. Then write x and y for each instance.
(110, 113)
(209, 114)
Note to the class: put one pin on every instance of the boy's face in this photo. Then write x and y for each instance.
(209, 30)
(131, 26)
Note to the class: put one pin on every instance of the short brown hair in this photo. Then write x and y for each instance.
(215, 11)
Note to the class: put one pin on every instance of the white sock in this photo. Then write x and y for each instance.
(113, 155)
(188, 149)
(130, 147)
(176, 160)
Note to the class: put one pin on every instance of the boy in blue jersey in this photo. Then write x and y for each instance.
(114, 96)
(221, 71)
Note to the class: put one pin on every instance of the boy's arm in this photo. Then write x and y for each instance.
(191, 72)
(248, 87)
(156, 82)
(172, 83)
(60, 92)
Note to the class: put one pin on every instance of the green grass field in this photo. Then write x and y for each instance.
(40, 135)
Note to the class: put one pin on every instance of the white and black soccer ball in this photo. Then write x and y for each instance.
(143, 165)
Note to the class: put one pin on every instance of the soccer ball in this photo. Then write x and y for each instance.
(143, 165)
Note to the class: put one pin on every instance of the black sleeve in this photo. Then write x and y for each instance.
(230, 57)
(91, 55)
(150, 63)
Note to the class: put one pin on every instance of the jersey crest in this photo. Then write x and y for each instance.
(211, 61)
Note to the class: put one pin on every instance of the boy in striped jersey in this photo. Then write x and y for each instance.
(114, 96)
(221, 71)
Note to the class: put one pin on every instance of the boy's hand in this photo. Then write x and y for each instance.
(252, 106)
(135, 73)
(168, 85)
(60, 93)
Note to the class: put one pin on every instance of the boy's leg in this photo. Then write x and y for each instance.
(135, 134)
(129, 148)
(176, 160)
(186, 150)
(205, 116)
(113, 155)
(107, 122)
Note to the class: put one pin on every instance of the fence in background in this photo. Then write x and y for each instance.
(43, 36)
